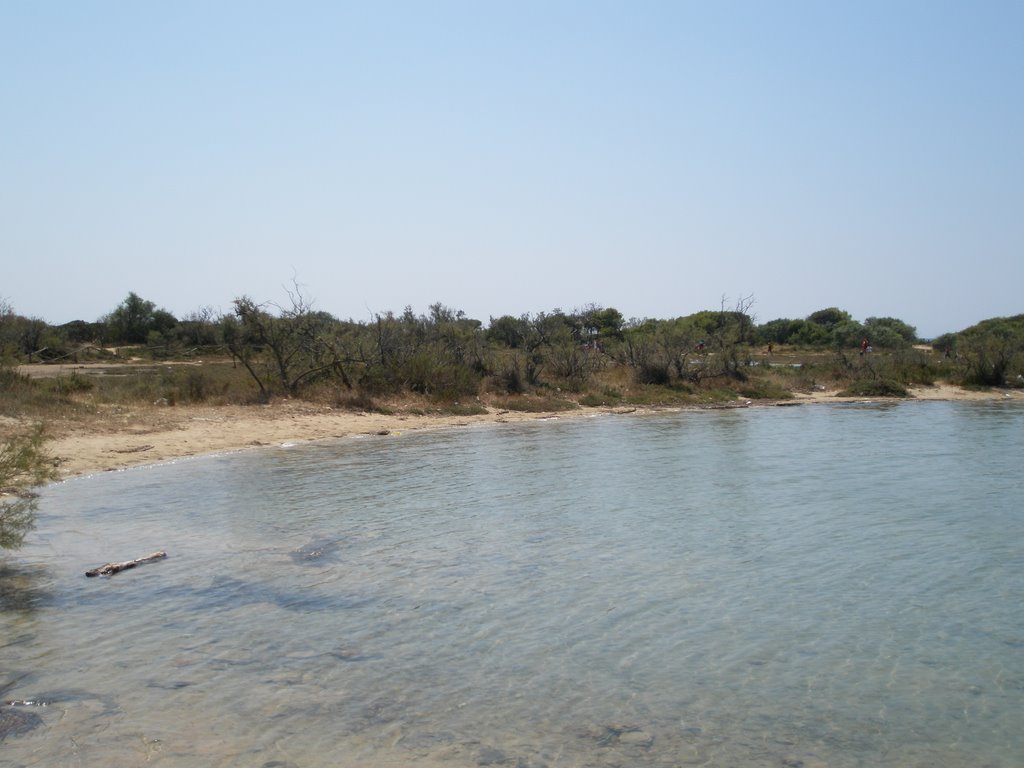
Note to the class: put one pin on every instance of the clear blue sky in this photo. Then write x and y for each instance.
(504, 158)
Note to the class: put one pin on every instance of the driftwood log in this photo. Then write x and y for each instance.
(111, 568)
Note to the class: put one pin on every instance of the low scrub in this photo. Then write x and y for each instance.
(875, 388)
(68, 385)
(462, 409)
(532, 403)
(24, 464)
(764, 389)
(216, 384)
(680, 393)
(23, 397)
(349, 400)
(607, 396)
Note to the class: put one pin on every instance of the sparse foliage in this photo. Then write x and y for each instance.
(24, 465)
(284, 351)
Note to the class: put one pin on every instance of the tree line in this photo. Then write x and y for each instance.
(289, 347)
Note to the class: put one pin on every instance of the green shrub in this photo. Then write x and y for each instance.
(22, 396)
(24, 464)
(67, 385)
(463, 409)
(679, 393)
(653, 373)
(875, 388)
(510, 379)
(607, 396)
(533, 404)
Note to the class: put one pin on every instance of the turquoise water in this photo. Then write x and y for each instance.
(817, 586)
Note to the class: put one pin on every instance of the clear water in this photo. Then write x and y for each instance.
(816, 586)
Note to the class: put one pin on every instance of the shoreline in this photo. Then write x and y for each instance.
(142, 436)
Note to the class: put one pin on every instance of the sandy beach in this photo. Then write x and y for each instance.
(150, 435)
(134, 436)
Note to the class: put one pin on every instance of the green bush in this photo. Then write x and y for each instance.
(650, 372)
(24, 464)
(350, 400)
(875, 388)
(22, 396)
(464, 409)
(607, 396)
(533, 404)
(68, 385)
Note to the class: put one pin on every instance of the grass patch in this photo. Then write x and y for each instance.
(875, 388)
(210, 383)
(65, 386)
(654, 395)
(607, 396)
(461, 409)
(764, 389)
(22, 397)
(532, 404)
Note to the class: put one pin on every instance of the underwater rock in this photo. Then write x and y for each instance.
(17, 720)
(317, 551)
(624, 735)
(491, 756)
(636, 739)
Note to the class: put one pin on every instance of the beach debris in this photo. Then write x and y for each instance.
(136, 449)
(109, 569)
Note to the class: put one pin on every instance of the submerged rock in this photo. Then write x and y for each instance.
(316, 552)
(17, 720)
(491, 756)
(636, 739)
(623, 735)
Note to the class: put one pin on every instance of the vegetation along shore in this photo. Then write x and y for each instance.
(141, 386)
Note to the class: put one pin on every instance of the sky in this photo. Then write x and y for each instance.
(507, 158)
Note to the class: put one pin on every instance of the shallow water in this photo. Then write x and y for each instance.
(833, 585)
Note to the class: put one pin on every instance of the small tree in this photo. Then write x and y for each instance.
(200, 328)
(889, 332)
(850, 333)
(23, 466)
(992, 349)
(509, 331)
(286, 351)
(134, 318)
(829, 317)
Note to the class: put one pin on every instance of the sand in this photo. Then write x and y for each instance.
(134, 436)
(150, 435)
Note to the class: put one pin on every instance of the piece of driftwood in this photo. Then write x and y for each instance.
(111, 568)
